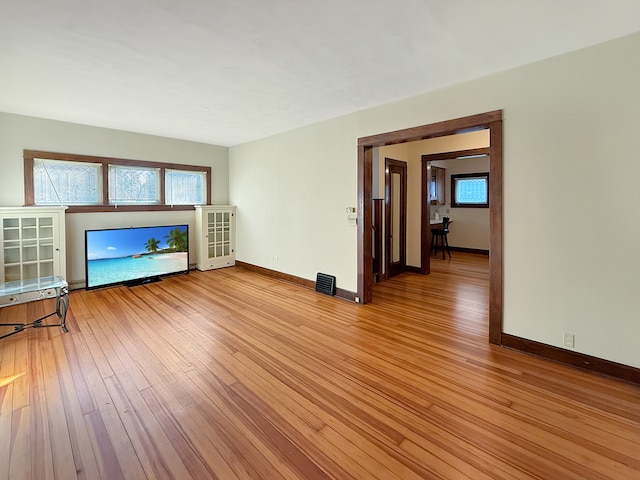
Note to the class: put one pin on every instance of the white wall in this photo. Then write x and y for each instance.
(19, 132)
(570, 144)
(292, 191)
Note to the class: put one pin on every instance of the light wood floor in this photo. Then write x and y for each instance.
(230, 375)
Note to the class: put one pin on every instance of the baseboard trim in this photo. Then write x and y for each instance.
(303, 282)
(412, 269)
(477, 251)
(575, 359)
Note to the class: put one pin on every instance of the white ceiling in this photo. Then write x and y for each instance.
(226, 72)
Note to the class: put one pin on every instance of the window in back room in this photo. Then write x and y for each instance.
(470, 190)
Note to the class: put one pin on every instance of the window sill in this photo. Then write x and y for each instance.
(470, 205)
(127, 208)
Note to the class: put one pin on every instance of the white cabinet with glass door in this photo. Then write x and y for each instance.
(216, 236)
(32, 243)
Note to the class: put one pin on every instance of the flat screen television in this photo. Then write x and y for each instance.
(135, 255)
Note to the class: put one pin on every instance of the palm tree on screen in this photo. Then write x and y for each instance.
(152, 245)
(177, 240)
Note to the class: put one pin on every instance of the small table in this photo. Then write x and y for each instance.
(23, 291)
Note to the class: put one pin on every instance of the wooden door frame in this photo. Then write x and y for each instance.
(389, 162)
(490, 120)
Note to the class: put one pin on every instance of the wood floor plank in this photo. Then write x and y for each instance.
(40, 438)
(84, 460)
(5, 438)
(19, 464)
(59, 427)
(231, 375)
(201, 436)
(21, 383)
(178, 434)
(109, 437)
(105, 453)
(9, 374)
(145, 439)
(236, 424)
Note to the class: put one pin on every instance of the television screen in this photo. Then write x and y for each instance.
(135, 255)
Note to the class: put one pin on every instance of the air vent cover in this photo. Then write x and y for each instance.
(326, 284)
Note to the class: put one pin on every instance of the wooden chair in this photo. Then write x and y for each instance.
(439, 236)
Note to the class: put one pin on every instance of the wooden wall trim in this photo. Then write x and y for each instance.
(472, 152)
(475, 251)
(496, 262)
(29, 191)
(432, 130)
(365, 224)
(576, 359)
(425, 215)
(74, 157)
(303, 282)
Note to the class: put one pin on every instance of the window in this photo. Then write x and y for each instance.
(66, 183)
(87, 183)
(470, 190)
(185, 188)
(133, 185)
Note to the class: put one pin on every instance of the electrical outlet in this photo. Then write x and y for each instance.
(568, 340)
(275, 259)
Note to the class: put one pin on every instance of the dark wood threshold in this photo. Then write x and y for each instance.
(304, 282)
(575, 359)
(476, 251)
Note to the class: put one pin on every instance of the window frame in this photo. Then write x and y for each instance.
(115, 171)
(455, 177)
(168, 191)
(105, 206)
(95, 173)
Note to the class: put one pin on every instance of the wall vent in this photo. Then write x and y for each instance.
(326, 284)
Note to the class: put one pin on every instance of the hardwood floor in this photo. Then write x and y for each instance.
(231, 375)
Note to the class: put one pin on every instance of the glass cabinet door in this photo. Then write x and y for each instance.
(215, 230)
(28, 247)
(218, 234)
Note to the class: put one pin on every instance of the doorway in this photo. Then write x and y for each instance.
(490, 120)
(427, 195)
(396, 216)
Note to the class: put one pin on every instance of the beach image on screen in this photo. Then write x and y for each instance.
(122, 255)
